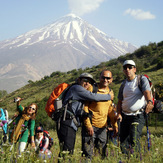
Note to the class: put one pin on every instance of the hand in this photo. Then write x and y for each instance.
(90, 131)
(112, 95)
(18, 99)
(119, 117)
(149, 107)
(33, 144)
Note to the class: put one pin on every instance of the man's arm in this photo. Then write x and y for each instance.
(149, 106)
(87, 121)
(83, 94)
(119, 110)
(147, 94)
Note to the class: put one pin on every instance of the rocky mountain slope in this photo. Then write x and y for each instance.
(68, 43)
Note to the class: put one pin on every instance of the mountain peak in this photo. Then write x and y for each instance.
(72, 15)
(68, 43)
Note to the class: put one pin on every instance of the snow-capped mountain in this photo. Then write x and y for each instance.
(66, 44)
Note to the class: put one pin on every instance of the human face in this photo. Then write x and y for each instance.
(39, 134)
(85, 82)
(129, 71)
(31, 109)
(105, 79)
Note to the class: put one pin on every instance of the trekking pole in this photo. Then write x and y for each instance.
(147, 132)
(118, 122)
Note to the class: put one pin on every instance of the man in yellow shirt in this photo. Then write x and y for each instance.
(95, 132)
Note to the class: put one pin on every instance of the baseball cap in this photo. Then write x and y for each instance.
(129, 62)
(87, 75)
(39, 129)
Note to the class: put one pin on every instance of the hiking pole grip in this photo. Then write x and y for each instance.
(146, 116)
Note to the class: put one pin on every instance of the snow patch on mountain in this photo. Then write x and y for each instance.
(66, 44)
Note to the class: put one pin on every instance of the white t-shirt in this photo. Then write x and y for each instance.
(133, 98)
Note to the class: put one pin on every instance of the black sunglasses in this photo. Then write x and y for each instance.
(107, 78)
(129, 67)
(86, 80)
(32, 108)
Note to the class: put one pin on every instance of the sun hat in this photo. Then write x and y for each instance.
(129, 62)
(87, 75)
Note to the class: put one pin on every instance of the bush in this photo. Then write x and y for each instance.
(160, 64)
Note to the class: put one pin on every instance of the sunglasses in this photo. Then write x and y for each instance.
(129, 67)
(104, 77)
(32, 108)
(86, 80)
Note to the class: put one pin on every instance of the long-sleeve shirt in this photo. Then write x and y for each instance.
(101, 111)
(29, 125)
(79, 95)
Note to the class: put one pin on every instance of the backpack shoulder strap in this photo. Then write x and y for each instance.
(66, 90)
(95, 88)
(139, 82)
(122, 87)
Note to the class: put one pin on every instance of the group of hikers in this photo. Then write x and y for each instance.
(23, 123)
(90, 105)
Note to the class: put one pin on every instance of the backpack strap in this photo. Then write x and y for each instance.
(139, 82)
(122, 87)
(95, 88)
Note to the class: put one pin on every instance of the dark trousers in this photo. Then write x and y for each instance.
(130, 132)
(98, 140)
(66, 136)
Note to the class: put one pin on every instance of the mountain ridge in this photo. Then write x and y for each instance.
(68, 43)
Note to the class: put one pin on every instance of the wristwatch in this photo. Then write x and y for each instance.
(150, 101)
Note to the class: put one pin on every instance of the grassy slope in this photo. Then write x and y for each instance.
(39, 91)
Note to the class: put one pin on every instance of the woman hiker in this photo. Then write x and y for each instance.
(24, 122)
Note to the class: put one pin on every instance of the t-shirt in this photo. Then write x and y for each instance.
(133, 99)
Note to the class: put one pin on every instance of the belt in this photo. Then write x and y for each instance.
(134, 113)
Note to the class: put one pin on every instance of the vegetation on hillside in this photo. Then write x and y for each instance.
(113, 154)
(149, 60)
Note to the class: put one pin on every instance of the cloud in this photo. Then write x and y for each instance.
(81, 7)
(139, 14)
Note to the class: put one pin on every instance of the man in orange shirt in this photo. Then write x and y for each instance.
(96, 128)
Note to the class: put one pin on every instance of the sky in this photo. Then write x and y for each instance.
(138, 22)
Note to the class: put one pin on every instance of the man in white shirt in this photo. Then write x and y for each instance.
(133, 105)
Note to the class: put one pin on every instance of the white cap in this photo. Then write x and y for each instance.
(129, 62)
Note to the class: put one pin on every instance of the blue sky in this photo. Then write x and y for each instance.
(138, 22)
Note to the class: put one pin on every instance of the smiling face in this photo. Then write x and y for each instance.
(31, 109)
(85, 82)
(105, 79)
(39, 134)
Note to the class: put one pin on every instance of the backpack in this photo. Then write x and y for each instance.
(6, 114)
(4, 117)
(54, 106)
(52, 103)
(157, 103)
(46, 133)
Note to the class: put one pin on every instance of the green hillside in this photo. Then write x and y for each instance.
(149, 60)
